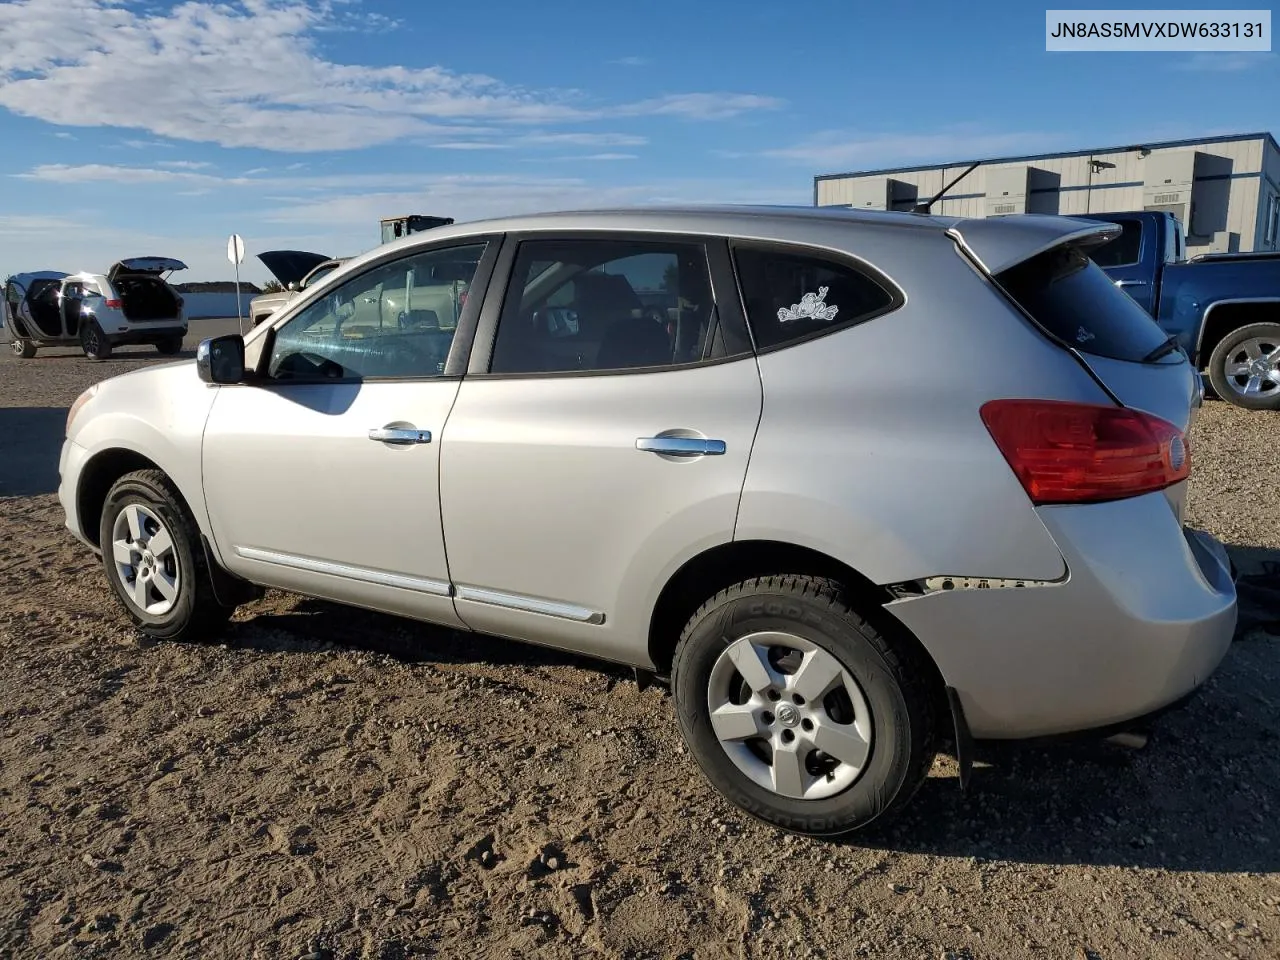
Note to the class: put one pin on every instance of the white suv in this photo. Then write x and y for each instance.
(130, 303)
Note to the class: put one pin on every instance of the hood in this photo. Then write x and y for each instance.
(156, 265)
(999, 243)
(290, 266)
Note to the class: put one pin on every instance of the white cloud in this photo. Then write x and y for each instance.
(833, 149)
(1236, 61)
(583, 139)
(145, 144)
(631, 61)
(702, 106)
(582, 156)
(63, 135)
(185, 164)
(249, 73)
(343, 220)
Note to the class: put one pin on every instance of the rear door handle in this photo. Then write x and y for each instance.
(681, 446)
(1131, 283)
(399, 435)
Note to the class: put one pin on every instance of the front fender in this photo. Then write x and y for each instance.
(159, 414)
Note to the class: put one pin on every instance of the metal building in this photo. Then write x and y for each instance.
(1225, 190)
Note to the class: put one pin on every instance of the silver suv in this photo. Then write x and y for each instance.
(852, 483)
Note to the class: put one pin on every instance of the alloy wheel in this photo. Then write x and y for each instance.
(145, 560)
(1252, 369)
(789, 715)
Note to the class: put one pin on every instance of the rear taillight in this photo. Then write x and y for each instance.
(114, 304)
(1079, 453)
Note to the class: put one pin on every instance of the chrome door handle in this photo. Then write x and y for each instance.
(1132, 283)
(399, 435)
(681, 446)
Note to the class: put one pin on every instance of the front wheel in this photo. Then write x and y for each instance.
(1244, 368)
(23, 349)
(154, 559)
(93, 341)
(800, 711)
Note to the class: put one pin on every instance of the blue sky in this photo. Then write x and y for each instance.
(133, 127)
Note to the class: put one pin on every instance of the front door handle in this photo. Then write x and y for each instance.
(1132, 283)
(681, 446)
(399, 435)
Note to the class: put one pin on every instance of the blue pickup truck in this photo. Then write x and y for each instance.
(1224, 309)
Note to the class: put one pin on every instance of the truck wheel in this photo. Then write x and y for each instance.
(800, 711)
(23, 349)
(169, 346)
(93, 341)
(1244, 367)
(154, 559)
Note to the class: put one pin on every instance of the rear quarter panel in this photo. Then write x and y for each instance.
(871, 448)
(1190, 290)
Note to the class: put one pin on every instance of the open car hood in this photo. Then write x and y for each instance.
(156, 265)
(290, 266)
(999, 243)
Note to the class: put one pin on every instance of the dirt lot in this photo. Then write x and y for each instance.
(335, 784)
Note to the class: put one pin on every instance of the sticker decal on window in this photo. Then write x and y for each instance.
(810, 307)
(1083, 335)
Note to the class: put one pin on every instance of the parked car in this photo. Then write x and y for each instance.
(131, 303)
(852, 495)
(296, 270)
(1223, 308)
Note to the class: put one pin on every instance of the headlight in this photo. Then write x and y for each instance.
(80, 402)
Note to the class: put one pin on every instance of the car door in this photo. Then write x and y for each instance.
(1130, 262)
(321, 475)
(600, 439)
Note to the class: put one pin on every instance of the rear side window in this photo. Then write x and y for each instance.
(792, 296)
(1069, 295)
(1124, 249)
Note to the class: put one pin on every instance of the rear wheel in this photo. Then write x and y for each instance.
(23, 349)
(169, 346)
(93, 341)
(155, 562)
(800, 711)
(1244, 367)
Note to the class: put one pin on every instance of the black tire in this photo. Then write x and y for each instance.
(23, 349)
(93, 341)
(196, 613)
(1231, 350)
(169, 346)
(894, 682)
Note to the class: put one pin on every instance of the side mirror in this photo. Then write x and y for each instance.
(221, 359)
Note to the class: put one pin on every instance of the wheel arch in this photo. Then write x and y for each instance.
(99, 474)
(706, 574)
(1221, 317)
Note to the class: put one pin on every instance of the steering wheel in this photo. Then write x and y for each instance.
(398, 354)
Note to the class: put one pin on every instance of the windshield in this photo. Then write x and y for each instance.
(319, 273)
(1072, 298)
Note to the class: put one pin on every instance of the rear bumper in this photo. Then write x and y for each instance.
(146, 332)
(1145, 616)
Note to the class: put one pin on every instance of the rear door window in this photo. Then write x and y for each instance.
(1069, 295)
(1125, 249)
(793, 295)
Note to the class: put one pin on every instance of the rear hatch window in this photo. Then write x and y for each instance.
(1073, 298)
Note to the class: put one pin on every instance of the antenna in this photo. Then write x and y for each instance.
(924, 207)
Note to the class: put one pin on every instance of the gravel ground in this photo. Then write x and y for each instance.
(336, 784)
